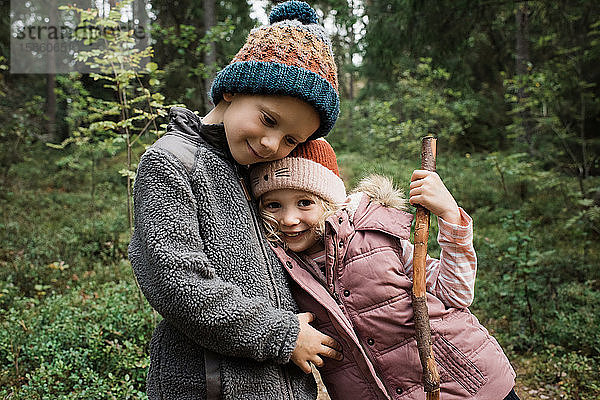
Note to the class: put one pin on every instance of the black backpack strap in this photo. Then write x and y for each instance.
(213, 375)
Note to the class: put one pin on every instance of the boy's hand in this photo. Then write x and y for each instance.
(428, 190)
(312, 344)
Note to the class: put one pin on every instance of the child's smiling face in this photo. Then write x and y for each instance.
(263, 128)
(297, 214)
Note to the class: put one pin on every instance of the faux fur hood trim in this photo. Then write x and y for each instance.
(379, 189)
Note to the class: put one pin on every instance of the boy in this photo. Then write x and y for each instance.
(230, 324)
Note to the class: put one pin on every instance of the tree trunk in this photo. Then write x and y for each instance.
(522, 56)
(50, 134)
(352, 44)
(522, 68)
(210, 56)
(143, 22)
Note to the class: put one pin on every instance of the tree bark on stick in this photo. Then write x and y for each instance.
(431, 377)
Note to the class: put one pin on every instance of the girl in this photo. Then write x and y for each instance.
(351, 261)
(230, 325)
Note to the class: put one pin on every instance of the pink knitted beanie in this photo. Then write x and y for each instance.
(311, 166)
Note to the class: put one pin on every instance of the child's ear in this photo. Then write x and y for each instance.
(227, 97)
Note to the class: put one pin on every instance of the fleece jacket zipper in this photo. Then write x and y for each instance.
(282, 372)
(259, 237)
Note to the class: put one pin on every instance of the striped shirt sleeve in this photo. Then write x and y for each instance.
(452, 277)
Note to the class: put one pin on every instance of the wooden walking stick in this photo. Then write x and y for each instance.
(431, 377)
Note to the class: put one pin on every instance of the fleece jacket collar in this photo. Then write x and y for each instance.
(186, 124)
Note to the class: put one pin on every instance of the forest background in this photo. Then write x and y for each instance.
(510, 88)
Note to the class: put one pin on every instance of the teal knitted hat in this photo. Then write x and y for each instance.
(291, 56)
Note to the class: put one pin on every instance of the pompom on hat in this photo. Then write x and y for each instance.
(291, 56)
(311, 167)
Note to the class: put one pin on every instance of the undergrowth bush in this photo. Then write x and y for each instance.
(89, 342)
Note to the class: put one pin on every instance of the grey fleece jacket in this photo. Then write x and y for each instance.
(229, 323)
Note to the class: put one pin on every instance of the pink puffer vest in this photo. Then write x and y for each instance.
(365, 305)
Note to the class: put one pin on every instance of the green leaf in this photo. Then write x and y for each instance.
(125, 172)
(586, 202)
(151, 67)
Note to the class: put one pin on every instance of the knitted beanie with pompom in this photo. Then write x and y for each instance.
(291, 56)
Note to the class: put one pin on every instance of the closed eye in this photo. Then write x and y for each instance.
(291, 141)
(268, 120)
